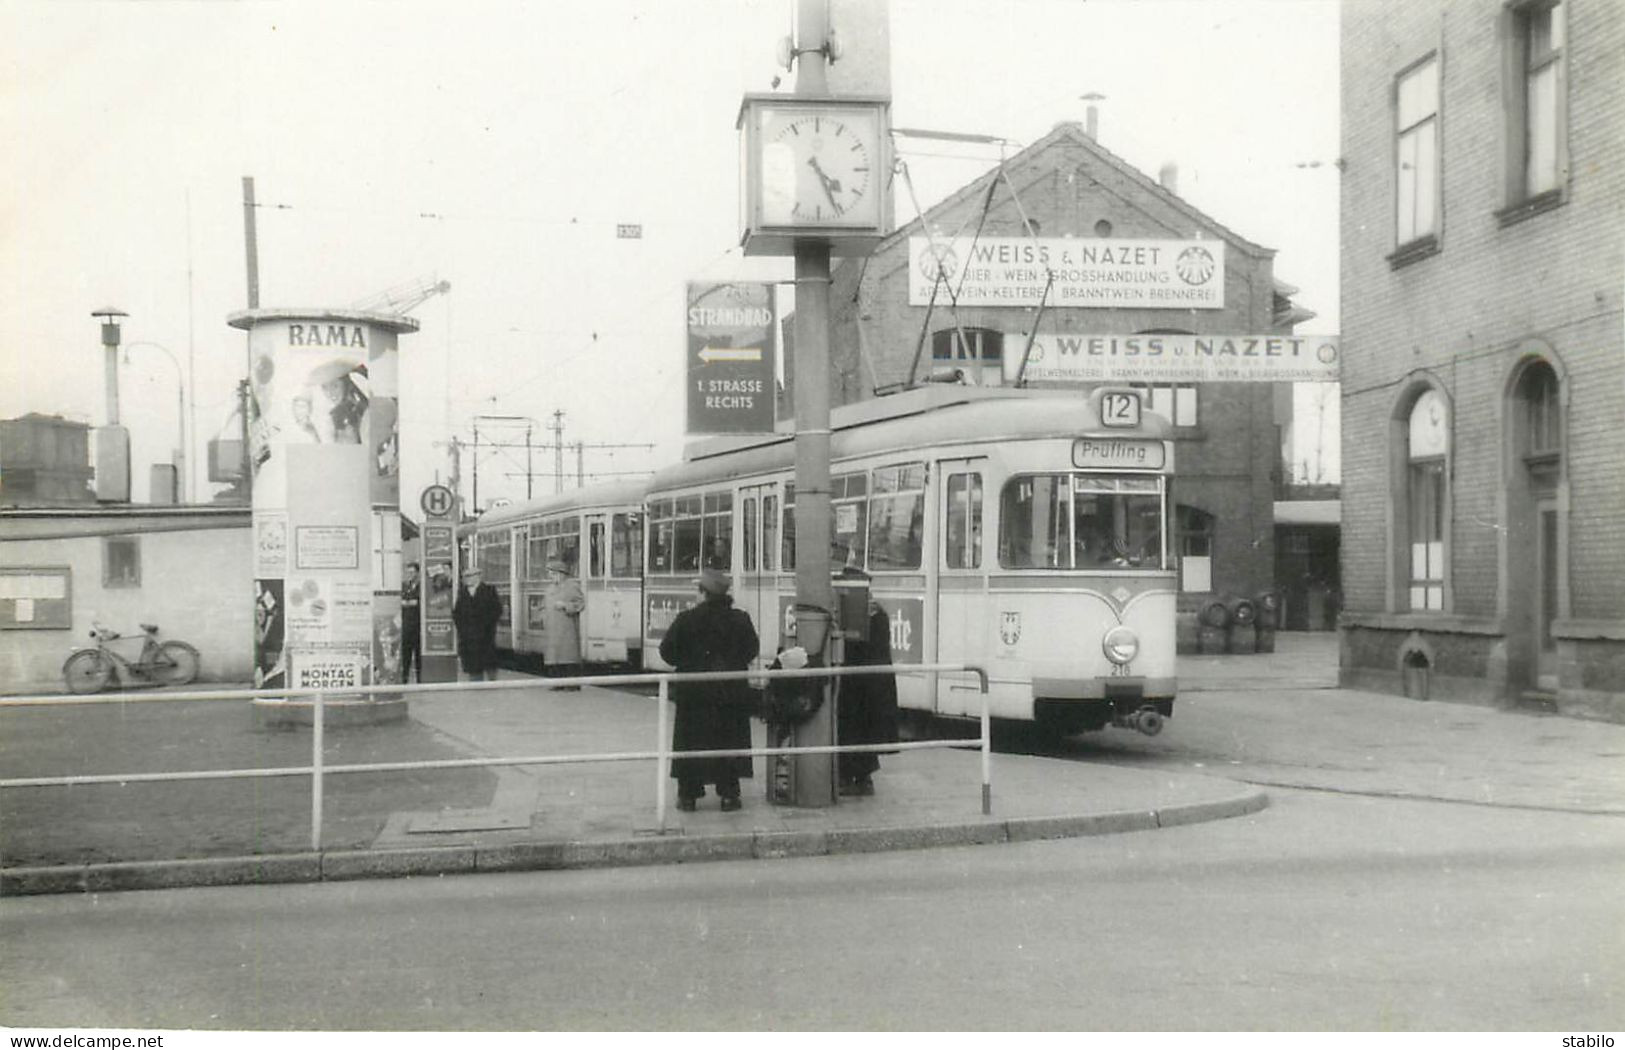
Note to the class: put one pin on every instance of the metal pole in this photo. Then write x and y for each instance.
(661, 763)
(815, 595)
(316, 774)
(476, 467)
(251, 243)
(528, 473)
(987, 757)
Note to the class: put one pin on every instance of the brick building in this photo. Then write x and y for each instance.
(1066, 185)
(44, 461)
(1483, 220)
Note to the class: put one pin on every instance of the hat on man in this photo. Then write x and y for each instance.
(714, 581)
(557, 566)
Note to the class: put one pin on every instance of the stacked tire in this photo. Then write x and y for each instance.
(1269, 618)
(1213, 625)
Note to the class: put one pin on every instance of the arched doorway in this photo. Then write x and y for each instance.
(1536, 584)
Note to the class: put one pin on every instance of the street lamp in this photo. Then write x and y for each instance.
(180, 410)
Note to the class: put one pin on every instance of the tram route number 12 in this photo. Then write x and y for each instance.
(1120, 409)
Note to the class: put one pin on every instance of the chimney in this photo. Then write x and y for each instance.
(1168, 175)
(1091, 126)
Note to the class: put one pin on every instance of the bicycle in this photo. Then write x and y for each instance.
(169, 663)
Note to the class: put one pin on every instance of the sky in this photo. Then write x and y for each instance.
(497, 145)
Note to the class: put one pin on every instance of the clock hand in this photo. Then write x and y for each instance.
(831, 186)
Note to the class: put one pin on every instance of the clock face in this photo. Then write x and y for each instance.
(819, 168)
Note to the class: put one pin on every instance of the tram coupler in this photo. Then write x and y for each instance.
(1147, 720)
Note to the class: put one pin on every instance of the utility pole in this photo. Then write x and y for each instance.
(558, 450)
(581, 476)
(476, 466)
(528, 474)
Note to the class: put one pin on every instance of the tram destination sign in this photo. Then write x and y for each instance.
(1175, 358)
(731, 358)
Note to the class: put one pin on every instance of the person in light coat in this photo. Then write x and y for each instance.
(563, 602)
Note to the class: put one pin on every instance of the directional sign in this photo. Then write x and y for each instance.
(730, 371)
(437, 501)
(730, 353)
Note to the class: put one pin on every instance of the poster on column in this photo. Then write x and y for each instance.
(329, 610)
(309, 385)
(270, 543)
(386, 637)
(269, 625)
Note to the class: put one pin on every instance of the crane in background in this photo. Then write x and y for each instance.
(402, 299)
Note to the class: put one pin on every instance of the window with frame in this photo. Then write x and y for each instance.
(962, 529)
(626, 545)
(1538, 38)
(849, 533)
(897, 517)
(558, 539)
(980, 352)
(1194, 529)
(1175, 402)
(1416, 155)
(1542, 414)
(1081, 521)
(495, 562)
(121, 561)
(717, 531)
(1428, 429)
(789, 547)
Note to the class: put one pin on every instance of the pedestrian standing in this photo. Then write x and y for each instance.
(475, 615)
(866, 707)
(711, 636)
(411, 624)
(562, 603)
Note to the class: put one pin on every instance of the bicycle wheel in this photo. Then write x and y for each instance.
(175, 663)
(87, 672)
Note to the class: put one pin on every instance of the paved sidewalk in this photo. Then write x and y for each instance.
(597, 814)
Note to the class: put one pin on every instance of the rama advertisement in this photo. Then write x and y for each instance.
(324, 443)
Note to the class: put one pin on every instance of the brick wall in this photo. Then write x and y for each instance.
(1493, 293)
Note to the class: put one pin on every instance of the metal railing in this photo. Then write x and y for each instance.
(662, 755)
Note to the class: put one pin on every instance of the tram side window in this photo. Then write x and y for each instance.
(595, 550)
(717, 528)
(962, 539)
(848, 497)
(625, 545)
(748, 540)
(897, 517)
(662, 538)
(789, 548)
(770, 531)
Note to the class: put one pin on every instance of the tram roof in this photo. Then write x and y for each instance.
(612, 494)
(925, 417)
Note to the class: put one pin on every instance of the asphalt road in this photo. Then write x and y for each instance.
(1322, 912)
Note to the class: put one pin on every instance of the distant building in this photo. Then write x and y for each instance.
(1077, 197)
(44, 461)
(62, 569)
(1483, 266)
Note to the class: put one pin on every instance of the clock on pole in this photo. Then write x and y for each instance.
(814, 167)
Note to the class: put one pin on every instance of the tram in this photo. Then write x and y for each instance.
(598, 534)
(1024, 532)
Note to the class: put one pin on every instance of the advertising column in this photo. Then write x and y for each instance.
(324, 443)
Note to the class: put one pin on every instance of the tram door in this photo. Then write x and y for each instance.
(960, 582)
(610, 613)
(756, 590)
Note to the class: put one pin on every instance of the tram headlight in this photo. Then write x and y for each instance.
(1121, 645)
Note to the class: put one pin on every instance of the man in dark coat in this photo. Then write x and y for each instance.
(411, 624)
(711, 636)
(866, 711)
(475, 614)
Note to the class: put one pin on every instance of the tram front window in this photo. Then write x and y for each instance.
(1081, 521)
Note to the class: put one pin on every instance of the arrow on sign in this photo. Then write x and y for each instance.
(731, 353)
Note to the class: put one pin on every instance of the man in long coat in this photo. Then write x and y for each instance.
(711, 636)
(562, 603)
(475, 614)
(867, 705)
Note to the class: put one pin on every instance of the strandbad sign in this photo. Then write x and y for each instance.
(1175, 358)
